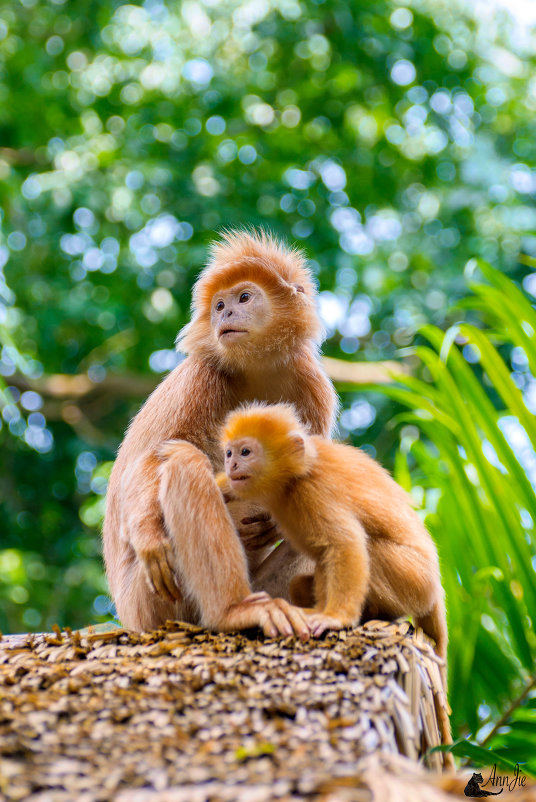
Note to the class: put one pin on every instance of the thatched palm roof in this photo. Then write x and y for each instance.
(182, 714)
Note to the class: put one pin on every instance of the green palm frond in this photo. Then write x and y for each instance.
(481, 508)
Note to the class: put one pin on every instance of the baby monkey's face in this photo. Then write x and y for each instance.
(244, 462)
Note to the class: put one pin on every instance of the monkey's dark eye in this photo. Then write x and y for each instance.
(245, 452)
(219, 306)
(244, 297)
(228, 453)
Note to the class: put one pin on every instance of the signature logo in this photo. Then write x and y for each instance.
(474, 789)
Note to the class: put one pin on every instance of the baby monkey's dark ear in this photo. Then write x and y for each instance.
(298, 288)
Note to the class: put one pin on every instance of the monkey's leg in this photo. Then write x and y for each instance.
(138, 606)
(275, 574)
(141, 570)
(341, 581)
(403, 581)
(434, 623)
(302, 590)
(208, 554)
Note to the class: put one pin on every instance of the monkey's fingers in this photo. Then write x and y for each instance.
(266, 624)
(157, 582)
(160, 573)
(321, 623)
(250, 612)
(280, 621)
(260, 596)
(252, 541)
(153, 580)
(168, 578)
(296, 618)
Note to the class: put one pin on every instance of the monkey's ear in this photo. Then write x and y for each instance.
(298, 442)
(298, 288)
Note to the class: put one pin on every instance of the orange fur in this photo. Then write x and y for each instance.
(373, 556)
(172, 550)
(328, 496)
(283, 273)
(272, 426)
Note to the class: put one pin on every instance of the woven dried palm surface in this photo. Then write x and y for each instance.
(182, 715)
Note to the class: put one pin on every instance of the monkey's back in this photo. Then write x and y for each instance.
(350, 479)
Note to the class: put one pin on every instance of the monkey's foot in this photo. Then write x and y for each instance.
(320, 622)
(274, 616)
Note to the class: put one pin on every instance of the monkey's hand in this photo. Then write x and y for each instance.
(320, 622)
(255, 527)
(274, 616)
(157, 559)
(258, 530)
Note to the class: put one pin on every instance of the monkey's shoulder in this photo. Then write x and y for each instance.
(190, 401)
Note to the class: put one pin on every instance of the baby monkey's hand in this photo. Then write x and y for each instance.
(256, 527)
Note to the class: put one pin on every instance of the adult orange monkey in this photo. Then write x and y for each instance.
(173, 550)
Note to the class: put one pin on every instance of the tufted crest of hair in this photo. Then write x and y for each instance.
(282, 272)
(281, 434)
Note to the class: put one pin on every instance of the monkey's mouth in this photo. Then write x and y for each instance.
(227, 332)
(239, 478)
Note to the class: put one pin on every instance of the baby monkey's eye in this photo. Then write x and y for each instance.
(245, 452)
(219, 306)
(244, 297)
(228, 453)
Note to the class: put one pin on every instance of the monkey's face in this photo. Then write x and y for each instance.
(240, 315)
(245, 462)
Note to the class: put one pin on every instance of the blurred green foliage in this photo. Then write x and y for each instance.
(468, 454)
(393, 141)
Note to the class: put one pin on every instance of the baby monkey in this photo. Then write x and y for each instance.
(373, 557)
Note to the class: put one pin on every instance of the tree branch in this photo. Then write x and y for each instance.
(339, 370)
(19, 156)
(66, 395)
(80, 386)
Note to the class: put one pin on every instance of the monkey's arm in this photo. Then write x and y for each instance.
(208, 554)
(256, 528)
